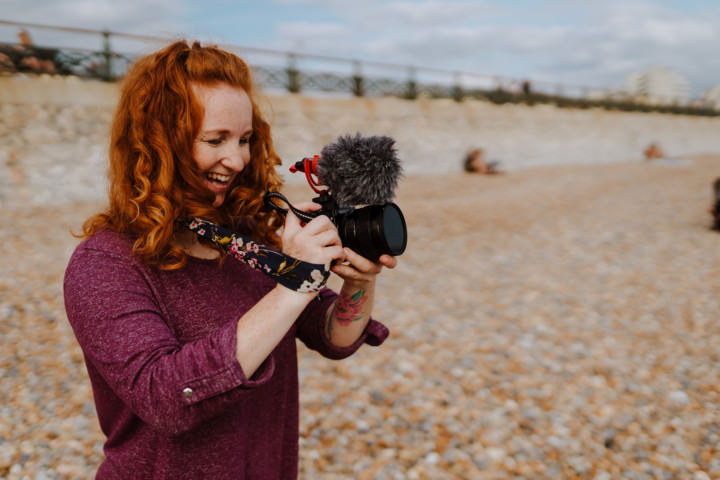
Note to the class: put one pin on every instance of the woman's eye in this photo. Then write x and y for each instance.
(214, 141)
(244, 141)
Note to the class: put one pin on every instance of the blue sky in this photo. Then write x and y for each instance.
(579, 43)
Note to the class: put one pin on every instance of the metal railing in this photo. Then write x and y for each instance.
(107, 55)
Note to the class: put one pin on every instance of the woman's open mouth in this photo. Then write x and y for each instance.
(217, 181)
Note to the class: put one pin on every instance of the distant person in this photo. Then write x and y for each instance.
(26, 57)
(475, 162)
(31, 58)
(6, 62)
(192, 355)
(715, 209)
(653, 151)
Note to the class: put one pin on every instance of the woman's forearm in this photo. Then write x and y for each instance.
(262, 327)
(350, 313)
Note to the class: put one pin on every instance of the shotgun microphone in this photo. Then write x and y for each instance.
(358, 170)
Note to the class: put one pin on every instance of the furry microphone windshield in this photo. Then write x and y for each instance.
(360, 170)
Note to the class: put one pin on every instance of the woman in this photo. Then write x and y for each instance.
(191, 354)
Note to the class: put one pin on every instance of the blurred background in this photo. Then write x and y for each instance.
(554, 321)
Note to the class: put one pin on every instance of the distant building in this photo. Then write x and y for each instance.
(659, 85)
(632, 83)
(711, 97)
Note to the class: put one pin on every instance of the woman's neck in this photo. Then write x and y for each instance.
(188, 242)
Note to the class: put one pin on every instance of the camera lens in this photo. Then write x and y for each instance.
(374, 230)
(394, 229)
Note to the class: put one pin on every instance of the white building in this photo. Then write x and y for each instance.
(711, 97)
(659, 85)
(632, 83)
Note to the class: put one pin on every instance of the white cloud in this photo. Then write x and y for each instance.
(312, 34)
(427, 14)
(592, 44)
(129, 16)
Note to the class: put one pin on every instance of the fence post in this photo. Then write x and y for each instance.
(293, 85)
(107, 53)
(411, 92)
(358, 87)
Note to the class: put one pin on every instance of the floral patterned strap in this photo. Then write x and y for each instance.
(286, 270)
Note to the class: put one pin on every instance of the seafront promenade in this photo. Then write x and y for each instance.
(53, 134)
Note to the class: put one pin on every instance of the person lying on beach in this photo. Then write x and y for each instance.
(192, 355)
(475, 162)
(653, 151)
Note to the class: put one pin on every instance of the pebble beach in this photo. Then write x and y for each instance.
(555, 322)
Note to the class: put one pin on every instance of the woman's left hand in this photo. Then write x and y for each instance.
(358, 269)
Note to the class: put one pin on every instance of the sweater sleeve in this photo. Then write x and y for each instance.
(311, 329)
(125, 336)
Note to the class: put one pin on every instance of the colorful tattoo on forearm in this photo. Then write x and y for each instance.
(349, 308)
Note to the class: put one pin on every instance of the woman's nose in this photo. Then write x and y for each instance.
(234, 158)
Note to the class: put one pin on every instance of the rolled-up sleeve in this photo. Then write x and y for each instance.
(126, 339)
(311, 329)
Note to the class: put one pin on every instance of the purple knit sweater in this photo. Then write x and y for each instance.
(159, 348)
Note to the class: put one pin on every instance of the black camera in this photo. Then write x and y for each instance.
(371, 230)
(357, 170)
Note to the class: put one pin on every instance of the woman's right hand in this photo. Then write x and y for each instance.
(316, 242)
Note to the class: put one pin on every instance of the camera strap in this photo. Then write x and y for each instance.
(288, 271)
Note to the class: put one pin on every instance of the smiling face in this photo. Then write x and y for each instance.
(222, 146)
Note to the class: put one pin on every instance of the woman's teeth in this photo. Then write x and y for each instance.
(217, 177)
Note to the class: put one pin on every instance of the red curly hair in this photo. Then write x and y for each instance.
(154, 181)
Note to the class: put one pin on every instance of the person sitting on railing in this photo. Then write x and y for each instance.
(6, 63)
(38, 60)
(26, 57)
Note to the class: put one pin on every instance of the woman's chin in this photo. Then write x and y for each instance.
(219, 200)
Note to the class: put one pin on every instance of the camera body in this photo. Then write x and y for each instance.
(371, 230)
(356, 170)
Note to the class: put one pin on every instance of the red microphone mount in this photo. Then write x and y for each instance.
(309, 167)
